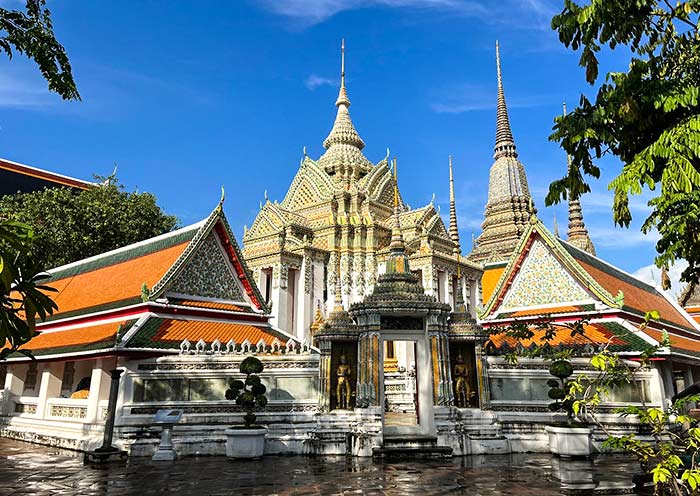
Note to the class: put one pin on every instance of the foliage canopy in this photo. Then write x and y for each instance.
(31, 34)
(71, 225)
(648, 117)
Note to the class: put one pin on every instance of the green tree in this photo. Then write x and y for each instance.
(31, 33)
(23, 298)
(71, 225)
(648, 116)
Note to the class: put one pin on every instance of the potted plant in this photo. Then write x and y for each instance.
(248, 440)
(571, 438)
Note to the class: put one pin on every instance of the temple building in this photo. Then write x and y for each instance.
(338, 213)
(363, 312)
(184, 292)
(554, 279)
(21, 178)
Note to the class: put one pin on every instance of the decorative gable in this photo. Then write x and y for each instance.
(207, 273)
(542, 280)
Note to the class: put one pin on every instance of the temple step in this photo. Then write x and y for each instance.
(410, 448)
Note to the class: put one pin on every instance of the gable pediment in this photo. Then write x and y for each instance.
(208, 273)
(542, 280)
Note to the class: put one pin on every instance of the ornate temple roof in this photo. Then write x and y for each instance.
(570, 284)
(188, 284)
(509, 202)
(344, 158)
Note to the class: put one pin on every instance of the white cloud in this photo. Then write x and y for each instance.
(19, 93)
(520, 14)
(617, 237)
(314, 81)
(651, 274)
(311, 12)
(460, 98)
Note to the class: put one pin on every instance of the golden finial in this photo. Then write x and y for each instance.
(396, 184)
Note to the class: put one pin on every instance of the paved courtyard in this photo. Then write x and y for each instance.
(30, 469)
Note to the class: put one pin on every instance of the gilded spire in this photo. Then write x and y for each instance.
(343, 156)
(505, 145)
(454, 231)
(396, 236)
(577, 234)
(398, 261)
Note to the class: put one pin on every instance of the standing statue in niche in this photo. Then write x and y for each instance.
(343, 391)
(462, 388)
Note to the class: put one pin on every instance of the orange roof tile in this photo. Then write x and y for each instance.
(637, 297)
(489, 280)
(113, 283)
(598, 333)
(676, 341)
(74, 337)
(214, 305)
(545, 311)
(194, 330)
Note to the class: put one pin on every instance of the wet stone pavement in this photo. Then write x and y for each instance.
(30, 469)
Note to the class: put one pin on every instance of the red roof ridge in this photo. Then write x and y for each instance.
(44, 174)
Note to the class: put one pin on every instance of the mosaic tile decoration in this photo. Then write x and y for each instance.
(542, 280)
(208, 274)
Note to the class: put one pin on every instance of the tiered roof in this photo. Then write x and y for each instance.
(190, 284)
(550, 278)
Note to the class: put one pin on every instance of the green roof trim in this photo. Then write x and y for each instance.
(124, 254)
(634, 342)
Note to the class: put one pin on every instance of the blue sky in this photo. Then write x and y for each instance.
(187, 96)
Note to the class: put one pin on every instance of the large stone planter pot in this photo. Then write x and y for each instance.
(245, 443)
(570, 442)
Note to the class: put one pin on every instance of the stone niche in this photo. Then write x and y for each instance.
(349, 349)
(467, 351)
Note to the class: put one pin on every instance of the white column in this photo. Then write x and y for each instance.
(13, 387)
(280, 298)
(50, 386)
(14, 380)
(304, 303)
(99, 389)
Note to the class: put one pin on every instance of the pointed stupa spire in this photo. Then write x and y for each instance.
(505, 145)
(454, 230)
(343, 145)
(398, 261)
(577, 234)
(509, 206)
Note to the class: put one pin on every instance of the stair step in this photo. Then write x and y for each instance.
(411, 453)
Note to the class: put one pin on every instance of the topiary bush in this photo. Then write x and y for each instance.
(249, 394)
(562, 370)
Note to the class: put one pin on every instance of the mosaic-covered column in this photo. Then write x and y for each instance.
(368, 363)
(442, 382)
(324, 385)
